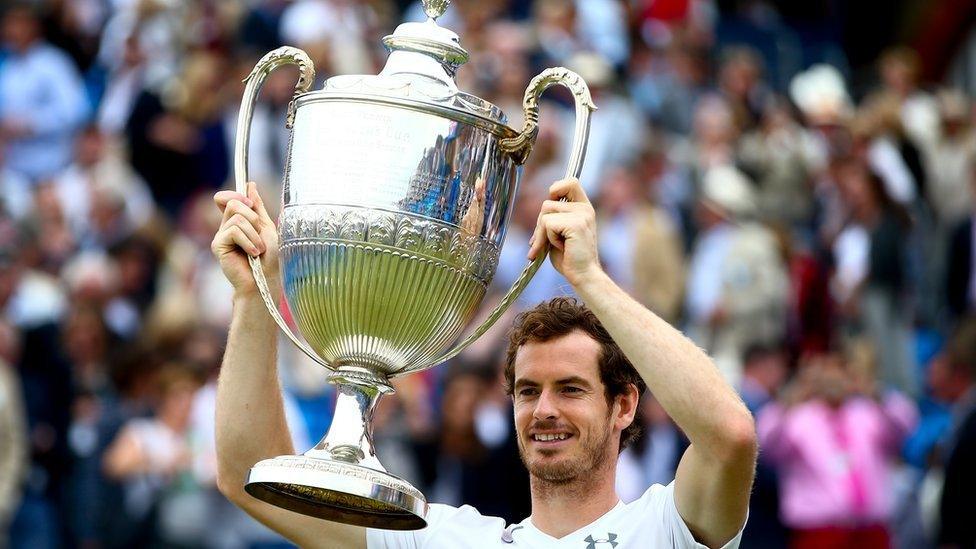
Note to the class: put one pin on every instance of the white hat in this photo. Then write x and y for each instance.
(728, 191)
(821, 94)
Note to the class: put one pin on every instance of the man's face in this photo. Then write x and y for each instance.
(19, 29)
(565, 426)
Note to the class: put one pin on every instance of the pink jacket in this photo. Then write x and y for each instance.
(834, 463)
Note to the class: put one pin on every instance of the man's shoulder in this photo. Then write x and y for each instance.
(653, 500)
(652, 520)
(447, 527)
(465, 514)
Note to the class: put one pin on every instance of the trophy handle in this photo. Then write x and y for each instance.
(272, 60)
(520, 147)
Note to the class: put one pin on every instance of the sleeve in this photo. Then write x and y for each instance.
(676, 529)
(437, 516)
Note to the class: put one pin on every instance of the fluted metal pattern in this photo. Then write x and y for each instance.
(374, 305)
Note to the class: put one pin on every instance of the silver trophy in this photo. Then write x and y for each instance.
(397, 193)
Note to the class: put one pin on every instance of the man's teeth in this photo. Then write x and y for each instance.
(545, 438)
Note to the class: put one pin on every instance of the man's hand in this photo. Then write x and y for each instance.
(570, 229)
(246, 229)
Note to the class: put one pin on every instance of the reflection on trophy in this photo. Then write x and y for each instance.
(397, 193)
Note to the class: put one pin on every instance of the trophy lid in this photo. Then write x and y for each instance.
(429, 38)
(424, 58)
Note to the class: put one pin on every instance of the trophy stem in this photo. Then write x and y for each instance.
(340, 479)
(350, 437)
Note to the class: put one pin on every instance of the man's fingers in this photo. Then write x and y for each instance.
(252, 193)
(555, 238)
(231, 237)
(250, 232)
(553, 228)
(222, 198)
(537, 242)
(236, 207)
(570, 189)
(559, 206)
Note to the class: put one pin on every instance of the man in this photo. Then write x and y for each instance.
(574, 375)
(13, 432)
(738, 288)
(833, 436)
(960, 276)
(953, 378)
(42, 98)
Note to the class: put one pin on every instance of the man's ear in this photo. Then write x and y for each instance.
(627, 406)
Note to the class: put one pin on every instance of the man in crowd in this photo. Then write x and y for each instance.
(832, 436)
(954, 380)
(42, 98)
(575, 375)
(13, 433)
(737, 283)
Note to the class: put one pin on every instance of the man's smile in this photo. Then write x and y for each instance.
(550, 439)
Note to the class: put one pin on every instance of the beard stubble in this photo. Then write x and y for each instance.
(592, 456)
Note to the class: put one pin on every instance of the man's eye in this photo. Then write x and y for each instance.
(527, 392)
(571, 389)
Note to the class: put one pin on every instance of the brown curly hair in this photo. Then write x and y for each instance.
(558, 317)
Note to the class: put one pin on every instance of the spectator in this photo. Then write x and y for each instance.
(176, 136)
(42, 99)
(957, 529)
(102, 198)
(765, 369)
(653, 456)
(462, 460)
(143, 34)
(105, 234)
(777, 154)
(874, 296)
(900, 68)
(832, 435)
(616, 131)
(953, 156)
(880, 138)
(960, 284)
(150, 454)
(13, 432)
(737, 285)
(668, 84)
(740, 83)
(641, 247)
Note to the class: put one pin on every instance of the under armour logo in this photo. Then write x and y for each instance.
(611, 541)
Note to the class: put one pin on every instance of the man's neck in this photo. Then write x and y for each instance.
(559, 510)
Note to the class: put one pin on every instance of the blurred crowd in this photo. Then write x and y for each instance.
(817, 240)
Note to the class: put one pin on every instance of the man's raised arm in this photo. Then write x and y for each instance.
(715, 475)
(250, 414)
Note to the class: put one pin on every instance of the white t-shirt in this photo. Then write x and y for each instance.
(652, 521)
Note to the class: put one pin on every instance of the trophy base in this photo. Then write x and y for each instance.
(338, 491)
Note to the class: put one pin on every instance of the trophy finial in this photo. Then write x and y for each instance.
(435, 8)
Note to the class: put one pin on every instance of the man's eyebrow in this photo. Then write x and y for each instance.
(574, 380)
(525, 383)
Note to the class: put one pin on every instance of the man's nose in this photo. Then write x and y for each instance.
(545, 406)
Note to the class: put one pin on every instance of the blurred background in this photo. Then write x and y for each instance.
(791, 183)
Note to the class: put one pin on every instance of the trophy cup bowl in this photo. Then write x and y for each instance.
(397, 192)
